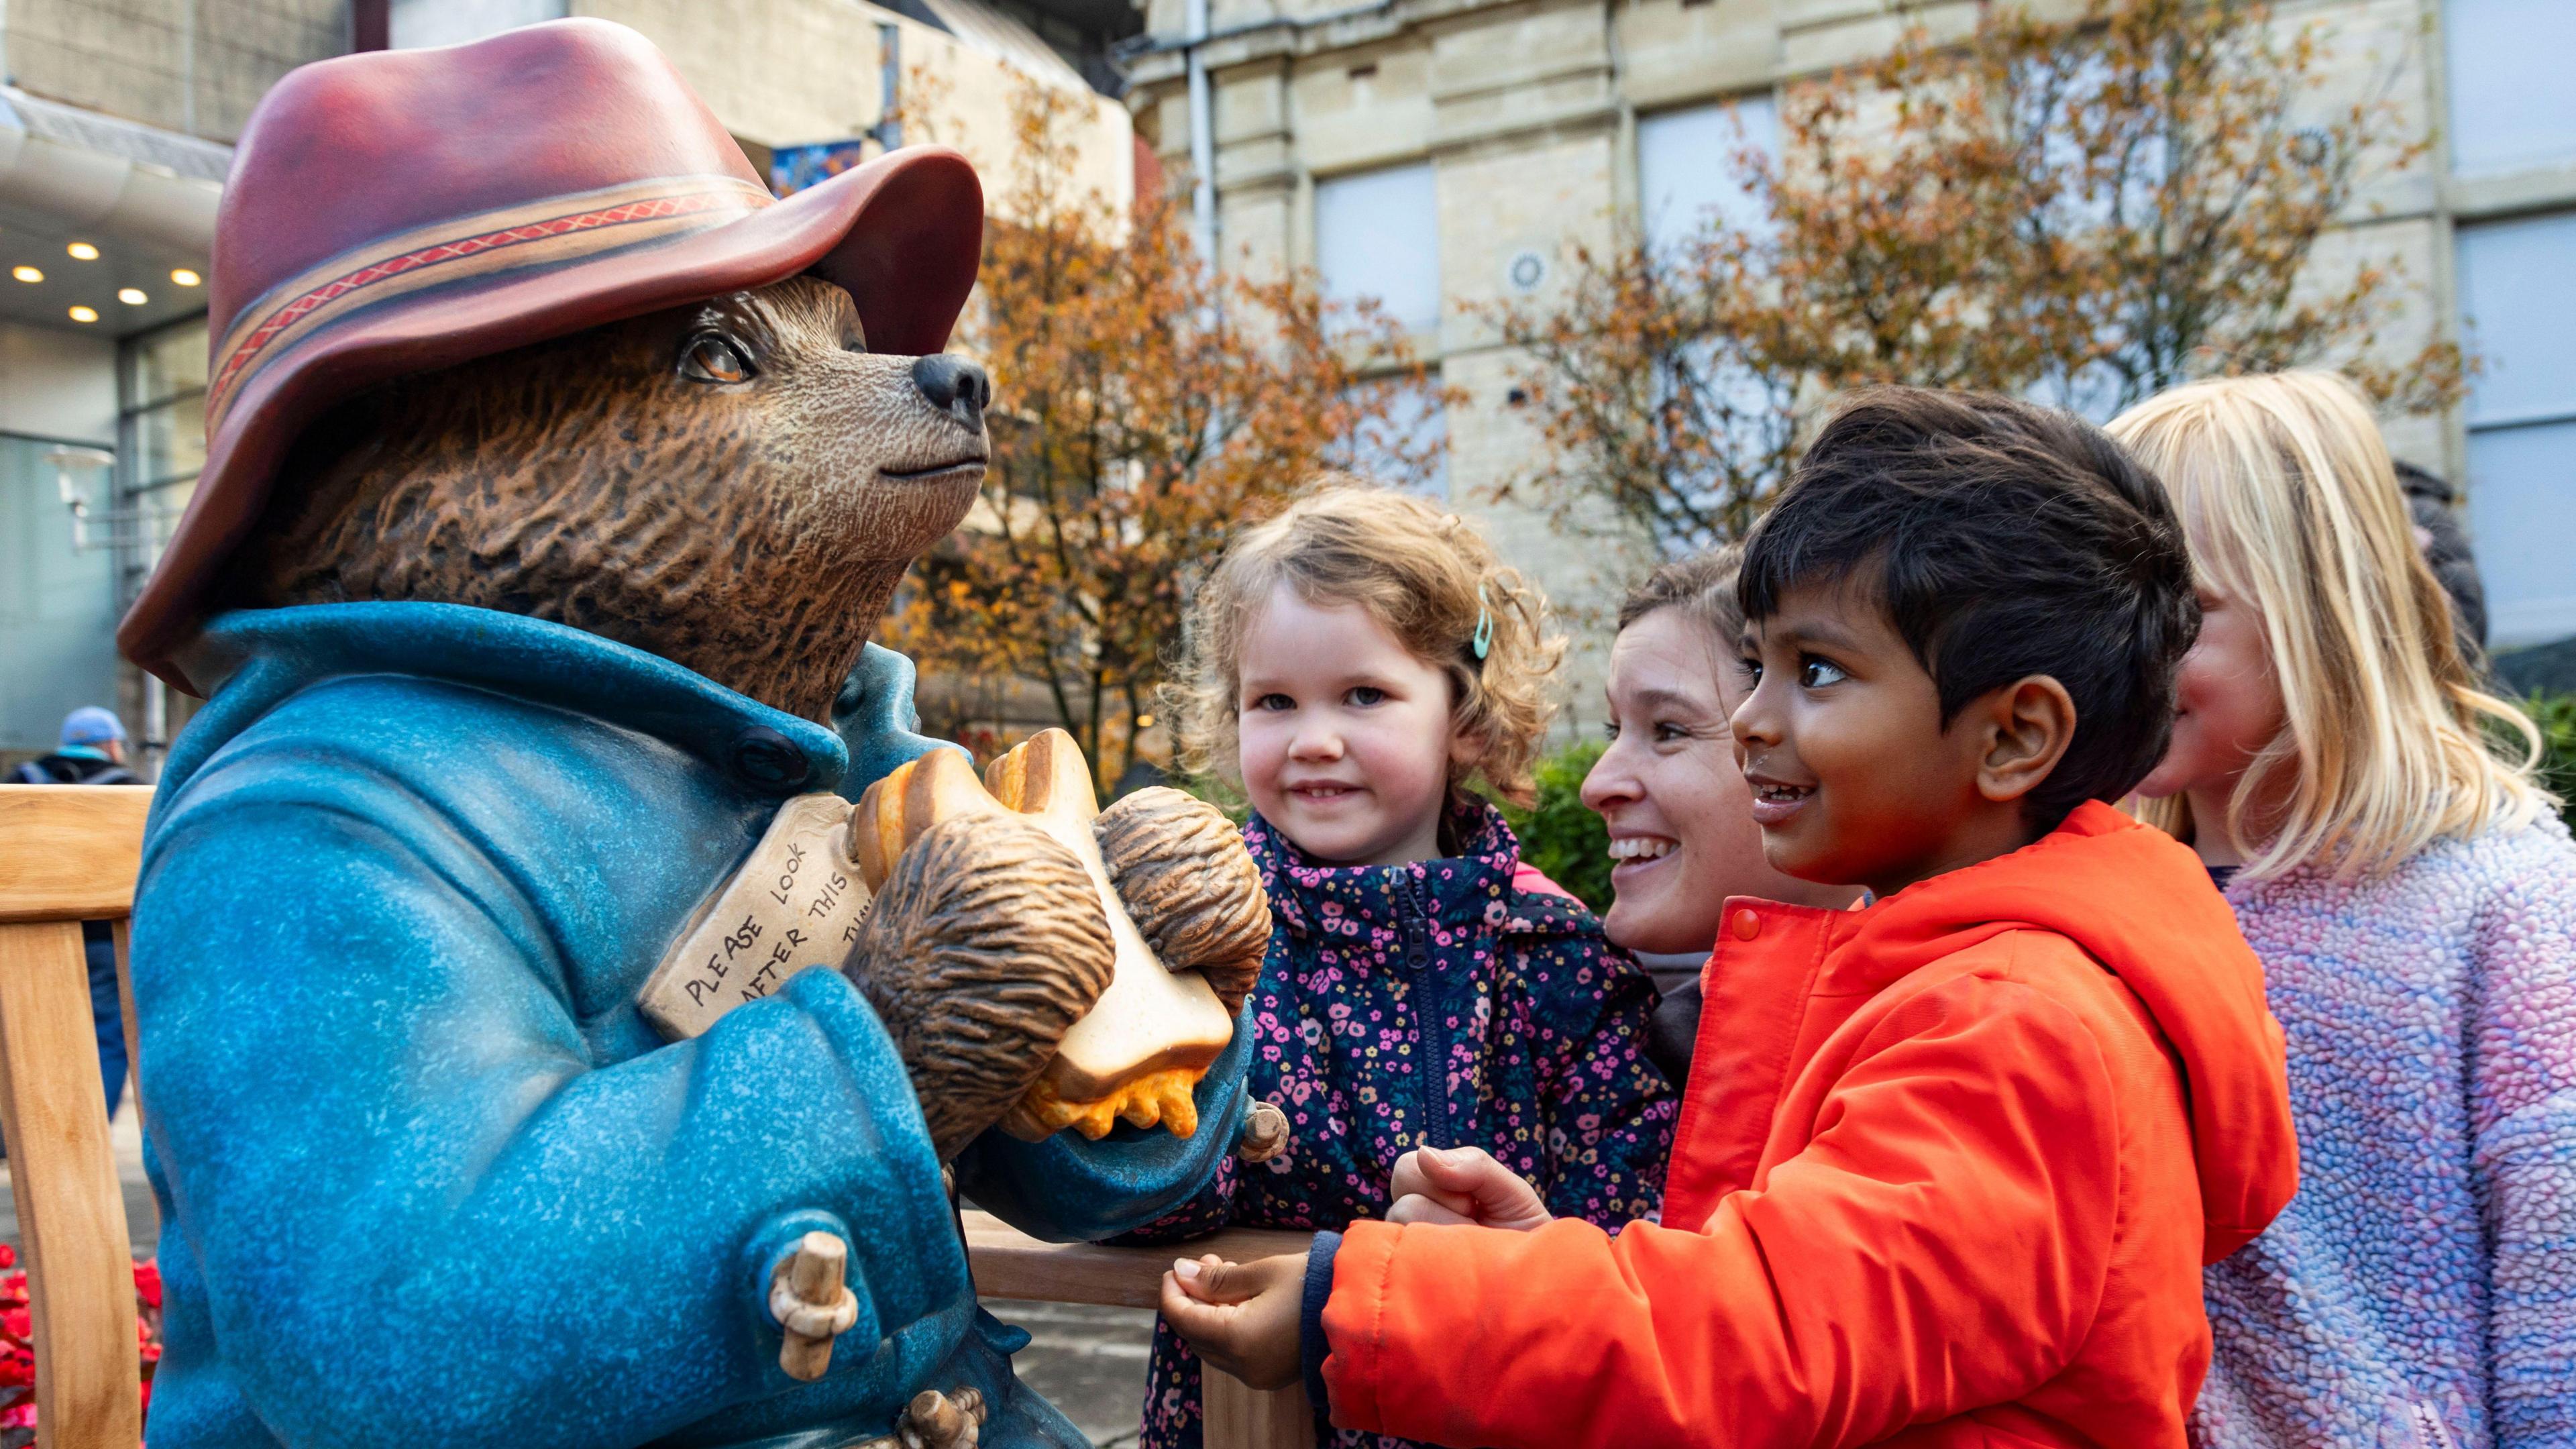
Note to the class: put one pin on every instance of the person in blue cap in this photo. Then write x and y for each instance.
(92, 752)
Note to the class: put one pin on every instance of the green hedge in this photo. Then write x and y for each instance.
(1561, 835)
(2557, 716)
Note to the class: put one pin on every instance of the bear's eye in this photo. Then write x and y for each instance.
(711, 358)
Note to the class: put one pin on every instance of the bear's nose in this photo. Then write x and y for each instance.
(954, 386)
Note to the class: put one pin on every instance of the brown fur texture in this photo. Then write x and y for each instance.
(749, 530)
(1183, 873)
(985, 947)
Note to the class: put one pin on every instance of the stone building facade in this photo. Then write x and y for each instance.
(1444, 153)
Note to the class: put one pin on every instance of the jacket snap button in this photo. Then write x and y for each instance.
(766, 757)
(1747, 925)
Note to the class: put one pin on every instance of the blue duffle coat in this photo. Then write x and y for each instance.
(425, 1175)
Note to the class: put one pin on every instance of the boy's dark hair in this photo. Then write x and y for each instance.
(2004, 540)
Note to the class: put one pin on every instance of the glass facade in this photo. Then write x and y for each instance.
(2513, 116)
(58, 605)
(416, 23)
(161, 388)
(2511, 105)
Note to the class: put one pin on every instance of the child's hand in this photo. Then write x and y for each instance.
(1462, 1185)
(1241, 1317)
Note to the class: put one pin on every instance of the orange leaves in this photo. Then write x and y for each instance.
(1144, 407)
(2087, 210)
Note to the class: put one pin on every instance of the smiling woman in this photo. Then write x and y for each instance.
(1669, 786)
(1679, 810)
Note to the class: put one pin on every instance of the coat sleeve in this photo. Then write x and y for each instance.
(384, 1132)
(1203, 1214)
(1609, 1111)
(1940, 1244)
(1066, 1189)
(2523, 1102)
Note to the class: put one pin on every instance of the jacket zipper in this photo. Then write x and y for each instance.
(1433, 1073)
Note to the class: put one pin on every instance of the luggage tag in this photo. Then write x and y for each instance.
(797, 902)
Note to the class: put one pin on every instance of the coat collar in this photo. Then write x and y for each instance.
(1470, 889)
(251, 659)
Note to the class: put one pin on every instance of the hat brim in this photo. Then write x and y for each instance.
(902, 234)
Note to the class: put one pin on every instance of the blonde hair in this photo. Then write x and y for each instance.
(1427, 577)
(2292, 507)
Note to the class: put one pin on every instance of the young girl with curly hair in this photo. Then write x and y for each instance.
(1356, 663)
(2370, 812)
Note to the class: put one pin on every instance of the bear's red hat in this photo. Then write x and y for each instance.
(396, 212)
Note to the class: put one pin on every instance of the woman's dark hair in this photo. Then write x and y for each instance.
(2445, 545)
(1701, 585)
(2003, 540)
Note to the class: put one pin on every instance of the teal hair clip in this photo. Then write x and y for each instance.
(1484, 642)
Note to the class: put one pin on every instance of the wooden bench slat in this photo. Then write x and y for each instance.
(1009, 1263)
(70, 852)
(71, 1215)
(1239, 1416)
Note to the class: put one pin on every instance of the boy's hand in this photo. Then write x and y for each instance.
(1240, 1317)
(1462, 1185)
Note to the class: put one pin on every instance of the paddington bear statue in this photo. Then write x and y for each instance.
(556, 473)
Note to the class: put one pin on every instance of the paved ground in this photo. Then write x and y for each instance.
(142, 1223)
(1090, 1361)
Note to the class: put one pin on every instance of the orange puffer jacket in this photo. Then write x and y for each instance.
(1947, 1173)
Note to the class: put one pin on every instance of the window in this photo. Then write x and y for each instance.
(161, 442)
(418, 23)
(2519, 297)
(2511, 104)
(57, 597)
(1687, 172)
(1377, 234)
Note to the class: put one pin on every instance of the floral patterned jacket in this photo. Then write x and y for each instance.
(1536, 1024)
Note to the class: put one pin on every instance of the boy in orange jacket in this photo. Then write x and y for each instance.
(1948, 1166)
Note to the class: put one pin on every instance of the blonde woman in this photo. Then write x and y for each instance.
(2372, 817)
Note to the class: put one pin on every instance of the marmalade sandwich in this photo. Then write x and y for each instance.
(1182, 900)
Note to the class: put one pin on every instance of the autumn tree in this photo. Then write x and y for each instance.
(2085, 210)
(1145, 406)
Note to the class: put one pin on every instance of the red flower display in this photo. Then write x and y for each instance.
(18, 1353)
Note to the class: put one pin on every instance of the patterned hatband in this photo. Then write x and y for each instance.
(490, 246)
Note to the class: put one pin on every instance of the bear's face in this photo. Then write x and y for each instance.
(736, 485)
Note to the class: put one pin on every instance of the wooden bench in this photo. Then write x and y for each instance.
(68, 854)
(1010, 1264)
